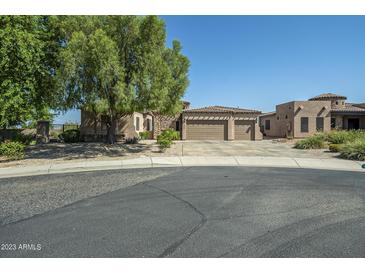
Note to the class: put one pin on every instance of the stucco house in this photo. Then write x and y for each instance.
(299, 119)
(93, 127)
(208, 123)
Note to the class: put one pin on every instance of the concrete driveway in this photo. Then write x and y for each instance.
(201, 212)
(269, 148)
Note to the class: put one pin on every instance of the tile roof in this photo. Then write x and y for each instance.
(268, 113)
(325, 96)
(350, 107)
(222, 109)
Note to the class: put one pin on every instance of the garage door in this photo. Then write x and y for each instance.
(243, 130)
(206, 130)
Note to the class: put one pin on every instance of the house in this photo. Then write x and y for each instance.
(220, 123)
(209, 123)
(299, 119)
(93, 127)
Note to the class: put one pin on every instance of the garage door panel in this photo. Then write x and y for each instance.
(243, 130)
(206, 130)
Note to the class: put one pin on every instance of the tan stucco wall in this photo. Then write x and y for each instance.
(312, 110)
(92, 128)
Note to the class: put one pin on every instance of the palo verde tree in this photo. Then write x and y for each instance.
(115, 65)
(28, 56)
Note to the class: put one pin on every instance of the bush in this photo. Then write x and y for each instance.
(342, 136)
(12, 150)
(164, 142)
(171, 134)
(144, 135)
(70, 136)
(25, 139)
(166, 138)
(133, 140)
(335, 147)
(313, 142)
(354, 150)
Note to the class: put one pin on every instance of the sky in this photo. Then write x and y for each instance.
(257, 62)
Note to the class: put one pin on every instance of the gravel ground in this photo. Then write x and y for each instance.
(24, 197)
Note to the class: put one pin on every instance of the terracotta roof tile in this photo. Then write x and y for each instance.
(351, 107)
(325, 96)
(222, 109)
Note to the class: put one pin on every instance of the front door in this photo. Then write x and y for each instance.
(353, 123)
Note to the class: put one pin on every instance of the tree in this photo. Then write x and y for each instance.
(178, 65)
(115, 65)
(28, 54)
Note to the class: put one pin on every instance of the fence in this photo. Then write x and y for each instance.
(63, 127)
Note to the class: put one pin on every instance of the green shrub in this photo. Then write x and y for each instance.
(70, 136)
(343, 136)
(144, 135)
(335, 147)
(313, 142)
(171, 134)
(25, 139)
(354, 150)
(166, 138)
(12, 150)
(164, 142)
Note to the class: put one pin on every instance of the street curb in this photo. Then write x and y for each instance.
(184, 161)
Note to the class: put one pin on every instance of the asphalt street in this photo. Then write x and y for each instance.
(201, 212)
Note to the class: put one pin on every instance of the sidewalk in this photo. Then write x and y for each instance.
(184, 161)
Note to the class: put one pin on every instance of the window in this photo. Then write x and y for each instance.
(277, 117)
(267, 124)
(333, 122)
(177, 126)
(304, 124)
(286, 116)
(137, 123)
(319, 123)
(149, 125)
(336, 102)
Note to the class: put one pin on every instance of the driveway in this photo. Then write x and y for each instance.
(200, 212)
(271, 148)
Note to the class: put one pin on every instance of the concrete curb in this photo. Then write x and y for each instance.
(185, 161)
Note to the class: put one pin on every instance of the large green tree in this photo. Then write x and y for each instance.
(115, 65)
(28, 57)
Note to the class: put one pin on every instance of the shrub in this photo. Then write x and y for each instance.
(166, 138)
(144, 135)
(12, 150)
(335, 147)
(342, 136)
(354, 150)
(25, 139)
(171, 134)
(70, 136)
(313, 142)
(164, 142)
(133, 140)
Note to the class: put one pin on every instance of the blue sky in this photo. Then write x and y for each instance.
(259, 61)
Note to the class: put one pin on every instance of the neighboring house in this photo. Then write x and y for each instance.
(298, 119)
(220, 123)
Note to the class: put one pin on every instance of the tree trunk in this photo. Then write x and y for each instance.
(111, 131)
